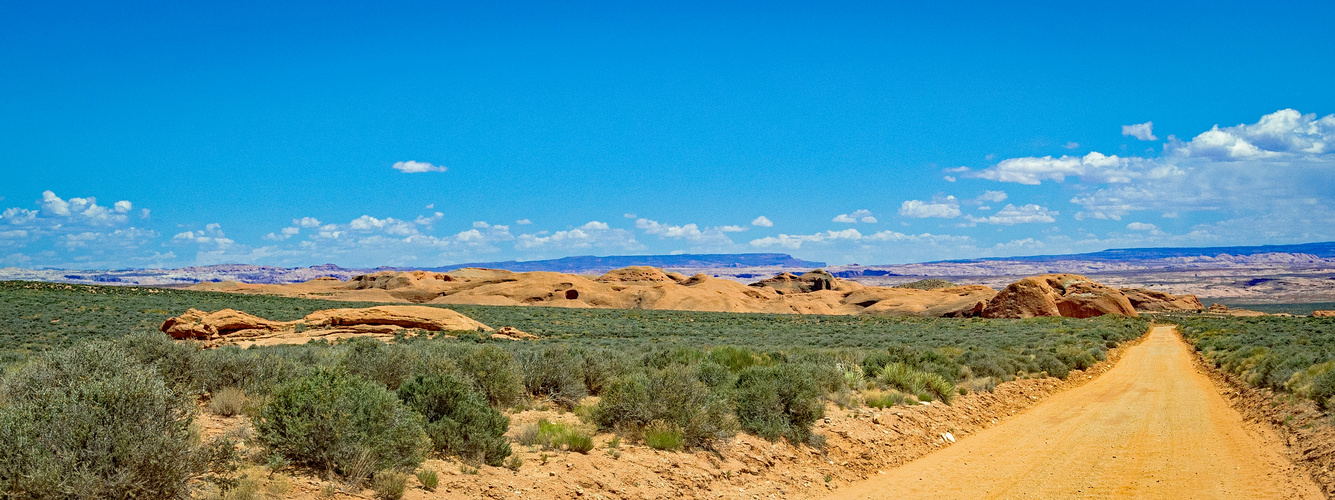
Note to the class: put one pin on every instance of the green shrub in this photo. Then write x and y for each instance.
(1322, 389)
(389, 485)
(602, 366)
(737, 358)
(661, 435)
(557, 435)
(717, 377)
(926, 385)
(388, 364)
(673, 396)
(514, 463)
(458, 419)
(496, 374)
(333, 420)
(778, 401)
(92, 422)
(227, 402)
(553, 371)
(888, 399)
(428, 479)
(579, 441)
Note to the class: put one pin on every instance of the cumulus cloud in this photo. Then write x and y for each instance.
(1011, 214)
(1283, 162)
(593, 234)
(762, 221)
(796, 241)
(211, 236)
(423, 220)
(1141, 226)
(82, 210)
(417, 167)
(1142, 131)
(1094, 167)
(864, 216)
(523, 222)
(688, 232)
(88, 233)
(1283, 134)
(945, 208)
(992, 196)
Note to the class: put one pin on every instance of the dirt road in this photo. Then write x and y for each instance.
(1152, 427)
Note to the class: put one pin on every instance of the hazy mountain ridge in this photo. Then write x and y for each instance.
(1304, 273)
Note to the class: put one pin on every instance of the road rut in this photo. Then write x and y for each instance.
(1152, 427)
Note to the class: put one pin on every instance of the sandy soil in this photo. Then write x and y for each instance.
(1152, 427)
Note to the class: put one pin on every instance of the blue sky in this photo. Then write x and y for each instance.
(166, 134)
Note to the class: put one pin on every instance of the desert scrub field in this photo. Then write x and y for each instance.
(363, 409)
(1285, 354)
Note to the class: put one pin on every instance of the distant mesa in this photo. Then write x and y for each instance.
(232, 327)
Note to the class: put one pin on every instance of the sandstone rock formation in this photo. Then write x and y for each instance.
(196, 324)
(810, 281)
(419, 317)
(1323, 314)
(1144, 300)
(1069, 295)
(229, 326)
(814, 292)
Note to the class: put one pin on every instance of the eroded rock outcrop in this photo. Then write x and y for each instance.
(419, 317)
(1069, 295)
(1323, 314)
(1145, 300)
(196, 324)
(810, 281)
(230, 326)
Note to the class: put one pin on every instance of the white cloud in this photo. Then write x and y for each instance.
(591, 235)
(417, 167)
(732, 229)
(762, 221)
(523, 222)
(857, 216)
(993, 196)
(796, 241)
(211, 236)
(688, 232)
(388, 225)
(82, 210)
(1142, 131)
(1094, 167)
(1071, 145)
(1283, 134)
(423, 220)
(1141, 226)
(629, 216)
(945, 208)
(1011, 214)
(306, 222)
